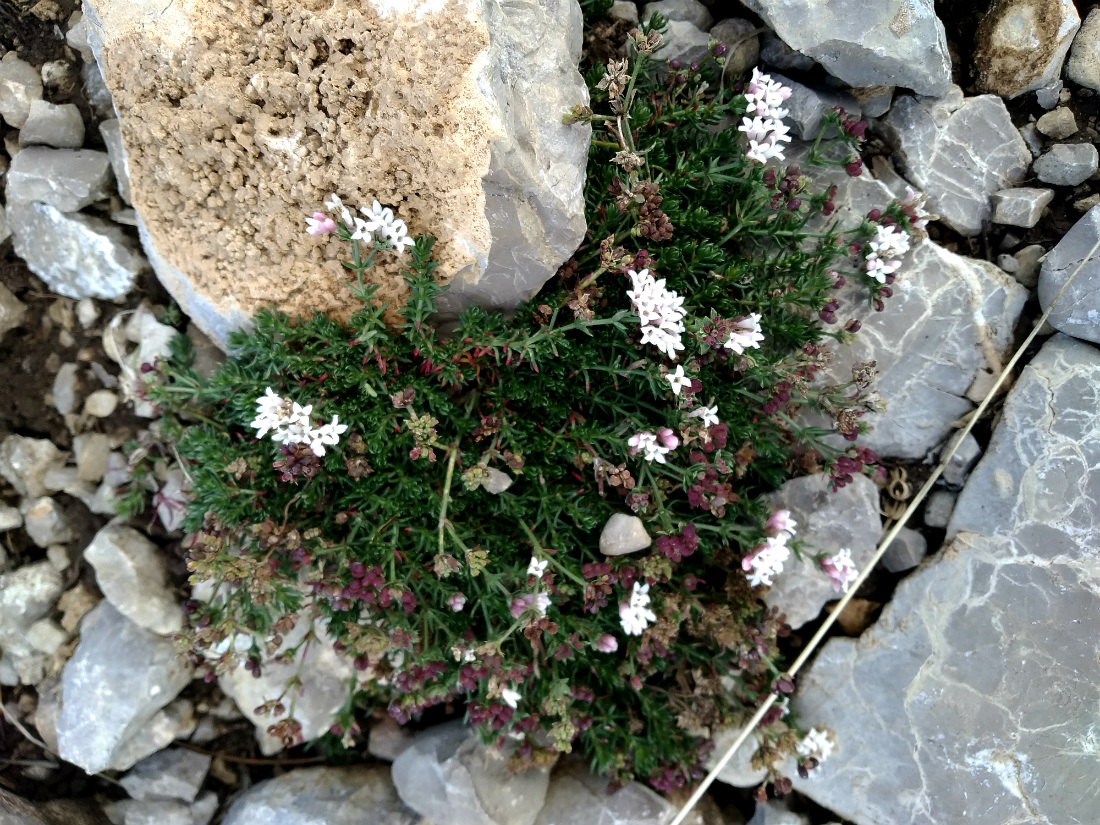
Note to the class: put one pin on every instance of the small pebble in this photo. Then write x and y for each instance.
(10, 518)
(100, 403)
(58, 556)
(65, 338)
(1028, 263)
(1085, 204)
(1058, 124)
(1007, 263)
(86, 312)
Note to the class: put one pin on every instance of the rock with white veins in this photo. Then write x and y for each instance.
(1067, 164)
(866, 44)
(959, 151)
(1020, 207)
(131, 572)
(974, 696)
(67, 179)
(78, 256)
(1078, 311)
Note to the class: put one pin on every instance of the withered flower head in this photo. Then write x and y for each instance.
(616, 78)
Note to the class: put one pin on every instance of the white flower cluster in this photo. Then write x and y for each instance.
(635, 615)
(746, 334)
(841, 569)
(709, 415)
(765, 131)
(660, 312)
(767, 560)
(655, 446)
(379, 222)
(817, 744)
(889, 243)
(289, 423)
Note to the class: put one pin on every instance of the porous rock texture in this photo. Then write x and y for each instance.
(1021, 44)
(973, 699)
(888, 43)
(250, 114)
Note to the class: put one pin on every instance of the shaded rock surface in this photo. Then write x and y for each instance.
(577, 795)
(1067, 164)
(827, 522)
(866, 44)
(67, 179)
(959, 151)
(175, 773)
(1020, 207)
(309, 102)
(114, 684)
(1021, 44)
(1078, 311)
(972, 699)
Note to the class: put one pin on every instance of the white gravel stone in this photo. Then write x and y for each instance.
(624, 10)
(938, 509)
(51, 124)
(86, 312)
(58, 556)
(66, 385)
(92, 451)
(623, 534)
(175, 773)
(1022, 206)
(1028, 262)
(496, 481)
(67, 179)
(45, 522)
(10, 518)
(24, 462)
(1057, 125)
(46, 636)
(20, 85)
(101, 403)
(1067, 164)
(12, 310)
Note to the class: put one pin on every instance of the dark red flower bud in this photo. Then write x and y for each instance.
(856, 128)
(694, 66)
(886, 292)
(675, 64)
(854, 325)
(879, 305)
(681, 79)
(855, 168)
(719, 49)
(874, 215)
(794, 203)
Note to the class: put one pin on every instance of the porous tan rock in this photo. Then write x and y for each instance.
(248, 115)
(1020, 45)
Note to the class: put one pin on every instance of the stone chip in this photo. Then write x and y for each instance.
(67, 179)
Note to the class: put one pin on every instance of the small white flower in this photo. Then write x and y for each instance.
(639, 595)
(326, 434)
(709, 415)
(378, 218)
(334, 203)
(536, 568)
(660, 312)
(648, 443)
(677, 380)
(841, 569)
(511, 697)
(767, 560)
(746, 334)
(817, 744)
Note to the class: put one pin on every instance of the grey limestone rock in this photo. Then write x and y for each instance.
(53, 124)
(905, 552)
(387, 739)
(20, 85)
(624, 10)
(67, 179)
(827, 522)
(176, 721)
(131, 572)
(1020, 45)
(963, 460)
(1083, 65)
(1058, 124)
(777, 54)
(1020, 207)
(623, 534)
(866, 44)
(1032, 139)
(45, 522)
(691, 11)
(578, 796)
(10, 518)
(152, 812)
(743, 43)
(333, 796)
(874, 101)
(807, 107)
(684, 41)
(1067, 164)
(114, 684)
(1049, 96)
(973, 698)
(1078, 311)
(25, 461)
(776, 812)
(26, 595)
(111, 133)
(958, 150)
(175, 773)
(12, 310)
(78, 256)
(66, 384)
(450, 778)
(1028, 262)
(739, 771)
(99, 96)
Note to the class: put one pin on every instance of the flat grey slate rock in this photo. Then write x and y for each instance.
(1078, 311)
(67, 179)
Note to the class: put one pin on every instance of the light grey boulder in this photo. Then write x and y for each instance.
(53, 124)
(691, 11)
(1083, 65)
(1022, 206)
(576, 795)
(959, 151)
(20, 85)
(1058, 124)
(10, 518)
(1078, 311)
(776, 812)
(624, 10)
(623, 534)
(866, 44)
(25, 461)
(740, 37)
(828, 522)
(1020, 45)
(67, 179)
(450, 778)
(739, 771)
(12, 310)
(111, 132)
(114, 684)
(131, 573)
(1067, 164)
(974, 695)
(45, 522)
(1028, 263)
(332, 796)
(685, 42)
(905, 552)
(807, 107)
(175, 773)
(777, 54)
(78, 256)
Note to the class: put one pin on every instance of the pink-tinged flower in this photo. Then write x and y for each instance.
(781, 522)
(320, 224)
(841, 569)
(668, 438)
(521, 604)
(457, 602)
(607, 643)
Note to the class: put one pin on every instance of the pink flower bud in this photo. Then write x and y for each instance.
(320, 224)
(668, 438)
(607, 643)
(457, 602)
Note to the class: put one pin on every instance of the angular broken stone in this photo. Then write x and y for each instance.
(576, 795)
(67, 179)
(867, 44)
(115, 682)
(333, 796)
(111, 132)
(691, 11)
(1028, 262)
(828, 522)
(1078, 311)
(78, 256)
(1020, 207)
(131, 572)
(175, 721)
(473, 152)
(92, 451)
(959, 151)
(12, 310)
(52, 124)
(1057, 125)
(45, 522)
(20, 85)
(966, 455)
(175, 773)
(27, 595)
(685, 42)
(974, 696)
(1083, 65)
(65, 386)
(623, 534)
(1067, 164)
(905, 552)
(1020, 45)
(10, 518)
(25, 461)
(450, 778)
